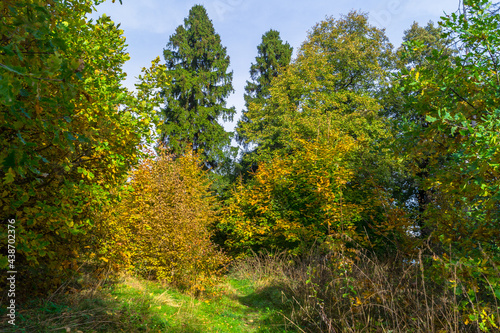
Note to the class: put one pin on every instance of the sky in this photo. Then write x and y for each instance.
(148, 24)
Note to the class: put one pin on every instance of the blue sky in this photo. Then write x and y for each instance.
(148, 24)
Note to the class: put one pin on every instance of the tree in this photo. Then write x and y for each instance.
(331, 85)
(272, 57)
(331, 88)
(195, 99)
(294, 201)
(160, 228)
(458, 98)
(430, 40)
(454, 98)
(69, 131)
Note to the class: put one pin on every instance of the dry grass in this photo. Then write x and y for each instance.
(359, 292)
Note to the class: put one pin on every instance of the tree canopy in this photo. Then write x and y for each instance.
(273, 55)
(196, 98)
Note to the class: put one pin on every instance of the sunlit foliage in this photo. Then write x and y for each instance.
(457, 138)
(161, 227)
(68, 130)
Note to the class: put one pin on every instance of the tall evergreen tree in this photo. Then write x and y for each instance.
(273, 54)
(196, 98)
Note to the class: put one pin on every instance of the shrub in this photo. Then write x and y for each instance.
(160, 228)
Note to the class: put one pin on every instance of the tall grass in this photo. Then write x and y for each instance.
(356, 291)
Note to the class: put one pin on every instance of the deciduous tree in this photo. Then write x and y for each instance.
(66, 136)
(331, 87)
(161, 227)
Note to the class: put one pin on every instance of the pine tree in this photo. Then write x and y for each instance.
(273, 55)
(195, 99)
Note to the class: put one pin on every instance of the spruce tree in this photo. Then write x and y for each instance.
(200, 83)
(273, 54)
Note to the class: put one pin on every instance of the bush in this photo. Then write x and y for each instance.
(160, 228)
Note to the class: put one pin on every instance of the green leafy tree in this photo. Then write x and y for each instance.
(458, 98)
(430, 40)
(65, 136)
(195, 100)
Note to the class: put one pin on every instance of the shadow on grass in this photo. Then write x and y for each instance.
(270, 302)
(103, 311)
(269, 297)
(139, 306)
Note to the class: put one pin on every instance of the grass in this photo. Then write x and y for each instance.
(272, 292)
(131, 304)
(356, 291)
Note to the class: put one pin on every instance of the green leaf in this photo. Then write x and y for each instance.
(430, 118)
(70, 136)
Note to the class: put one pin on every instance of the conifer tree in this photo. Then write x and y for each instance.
(196, 98)
(273, 54)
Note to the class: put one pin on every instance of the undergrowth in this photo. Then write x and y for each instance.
(351, 291)
(132, 304)
(357, 291)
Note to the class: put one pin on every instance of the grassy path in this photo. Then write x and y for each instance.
(134, 305)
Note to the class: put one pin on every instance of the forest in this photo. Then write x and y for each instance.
(363, 195)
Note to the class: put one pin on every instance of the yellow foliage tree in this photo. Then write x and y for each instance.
(161, 226)
(295, 200)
